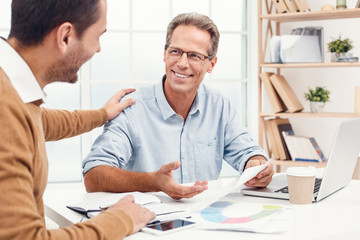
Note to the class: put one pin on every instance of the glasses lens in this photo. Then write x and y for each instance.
(193, 57)
(196, 56)
(174, 52)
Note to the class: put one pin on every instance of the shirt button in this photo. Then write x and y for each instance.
(210, 144)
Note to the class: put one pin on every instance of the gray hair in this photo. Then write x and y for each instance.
(200, 21)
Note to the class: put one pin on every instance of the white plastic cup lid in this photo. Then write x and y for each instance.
(301, 171)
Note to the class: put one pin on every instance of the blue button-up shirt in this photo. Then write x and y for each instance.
(149, 134)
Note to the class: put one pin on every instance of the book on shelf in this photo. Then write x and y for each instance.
(286, 126)
(274, 98)
(286, 93)
(317, 149)
(269, 133)
(303, 148)
(278, 125)
(273, 128)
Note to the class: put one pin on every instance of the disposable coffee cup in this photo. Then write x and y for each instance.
(301, 181)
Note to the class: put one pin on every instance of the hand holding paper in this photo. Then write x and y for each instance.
(264, 176)
(249, 174)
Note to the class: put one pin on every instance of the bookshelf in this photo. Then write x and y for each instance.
(269, 25)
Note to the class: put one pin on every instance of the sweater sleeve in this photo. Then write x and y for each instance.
(59, 124)
(110, 224)
(23, 174)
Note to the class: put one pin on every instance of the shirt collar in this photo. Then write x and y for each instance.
(164, 106)
(20, 74)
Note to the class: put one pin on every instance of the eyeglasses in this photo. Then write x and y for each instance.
(193, 57)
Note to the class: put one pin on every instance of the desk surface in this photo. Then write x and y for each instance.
(335, 217)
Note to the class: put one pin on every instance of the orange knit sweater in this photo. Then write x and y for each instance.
(24, 128)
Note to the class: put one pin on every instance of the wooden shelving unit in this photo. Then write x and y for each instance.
(309, 114)
(267, 19)
(310, 65)
(310, 16)
(286, 163)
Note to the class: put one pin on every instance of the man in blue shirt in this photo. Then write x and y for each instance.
(179, 126)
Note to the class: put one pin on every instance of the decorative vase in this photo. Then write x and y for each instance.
(335, 57)
(317, 107)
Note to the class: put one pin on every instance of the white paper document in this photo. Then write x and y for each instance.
(163, 211)
(213, 196)
(245, 216)
(111, 198)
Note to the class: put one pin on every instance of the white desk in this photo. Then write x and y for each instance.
(336, 217)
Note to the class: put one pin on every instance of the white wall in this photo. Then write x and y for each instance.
(340, 81)
(131, 56)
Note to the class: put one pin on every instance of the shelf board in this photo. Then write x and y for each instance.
(310, 114)
(289, 163)
(310, 65)
(310, 16)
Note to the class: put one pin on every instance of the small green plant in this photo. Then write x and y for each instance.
(319, 94)
(340, 46)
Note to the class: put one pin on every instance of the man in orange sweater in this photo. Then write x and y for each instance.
(49, 41)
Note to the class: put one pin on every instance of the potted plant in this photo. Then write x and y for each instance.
(339, 47)
(317, 97)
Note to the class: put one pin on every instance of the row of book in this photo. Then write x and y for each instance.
(281, 96)
(283, 6)
(285, 145)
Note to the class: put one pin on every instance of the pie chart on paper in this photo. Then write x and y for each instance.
(226, 212)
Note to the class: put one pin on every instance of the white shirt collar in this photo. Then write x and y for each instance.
(20, 74)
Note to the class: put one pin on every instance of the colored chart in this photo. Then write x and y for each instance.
(237, 213)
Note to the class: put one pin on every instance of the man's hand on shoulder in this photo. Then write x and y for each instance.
(263, 178)
(114, 107)
(166, 183)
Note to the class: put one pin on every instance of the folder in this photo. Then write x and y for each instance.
(286, 93)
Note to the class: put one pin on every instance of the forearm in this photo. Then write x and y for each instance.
(112, 179)
(59, 124)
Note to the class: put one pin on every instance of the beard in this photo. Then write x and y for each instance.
(66, 69)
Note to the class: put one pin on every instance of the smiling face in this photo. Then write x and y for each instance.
(183, 77)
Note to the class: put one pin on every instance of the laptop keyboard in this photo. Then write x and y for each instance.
(316, 187)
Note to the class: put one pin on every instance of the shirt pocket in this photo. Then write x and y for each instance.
(207, 161)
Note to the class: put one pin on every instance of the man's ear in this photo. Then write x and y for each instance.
(164, 59)
(65, 35)
(212, 64)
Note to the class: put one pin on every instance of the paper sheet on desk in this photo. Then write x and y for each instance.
(245, 216)
(163, 211)
(248, 174)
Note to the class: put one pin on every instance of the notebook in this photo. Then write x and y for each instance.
(344, 152)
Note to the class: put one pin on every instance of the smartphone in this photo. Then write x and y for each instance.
(168, 226)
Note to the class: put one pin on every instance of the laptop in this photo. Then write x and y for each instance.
(339, 169)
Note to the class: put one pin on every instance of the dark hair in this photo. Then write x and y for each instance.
(200, 21)
(32, 20)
